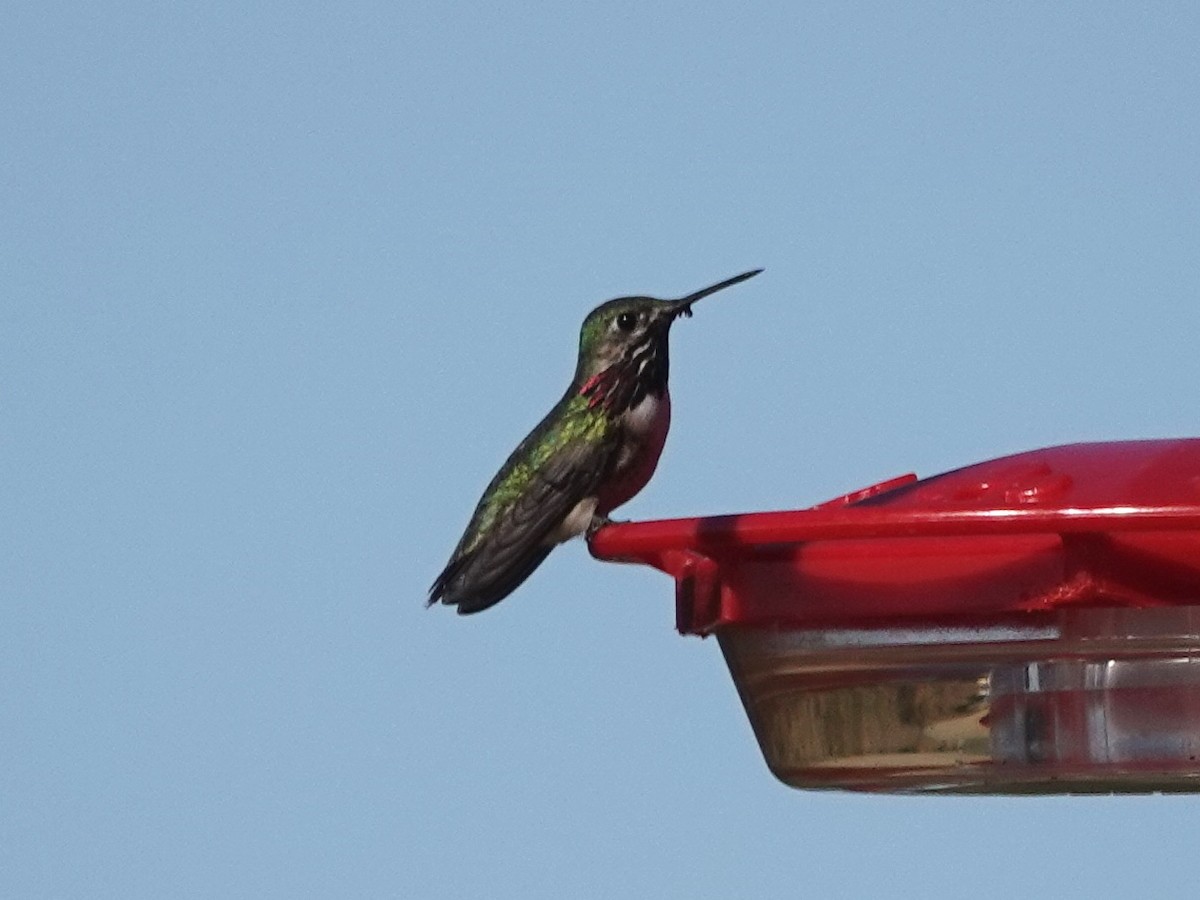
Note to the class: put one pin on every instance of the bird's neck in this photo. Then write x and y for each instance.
(624, 384)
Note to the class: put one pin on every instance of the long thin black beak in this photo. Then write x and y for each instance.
(683, 306)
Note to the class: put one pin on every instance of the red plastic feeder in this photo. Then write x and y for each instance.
(1028, 624)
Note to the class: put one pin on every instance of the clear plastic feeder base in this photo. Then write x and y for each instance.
(1026, 625)
(1095, 700)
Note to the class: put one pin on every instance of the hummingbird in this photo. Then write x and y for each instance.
(592, 452)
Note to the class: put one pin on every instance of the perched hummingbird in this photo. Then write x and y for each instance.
(595, 450)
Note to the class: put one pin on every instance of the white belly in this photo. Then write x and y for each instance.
(576, 522)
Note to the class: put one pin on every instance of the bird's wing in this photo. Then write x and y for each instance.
(504, 544)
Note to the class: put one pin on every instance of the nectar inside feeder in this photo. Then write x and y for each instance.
(1029, 624)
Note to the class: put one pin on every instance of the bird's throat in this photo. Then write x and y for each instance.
(639, 373)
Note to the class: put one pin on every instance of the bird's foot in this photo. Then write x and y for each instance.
(599, 522)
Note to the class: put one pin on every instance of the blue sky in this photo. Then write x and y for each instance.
(283, 285)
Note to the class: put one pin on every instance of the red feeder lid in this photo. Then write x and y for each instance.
(1105, 524)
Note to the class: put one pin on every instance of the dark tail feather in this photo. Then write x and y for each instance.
(442, 582)
(473, 592)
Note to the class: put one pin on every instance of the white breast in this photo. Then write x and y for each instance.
(644, 418)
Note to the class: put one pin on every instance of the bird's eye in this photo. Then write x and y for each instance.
(626, 321)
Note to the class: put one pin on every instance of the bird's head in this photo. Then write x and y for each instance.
(630, 333)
